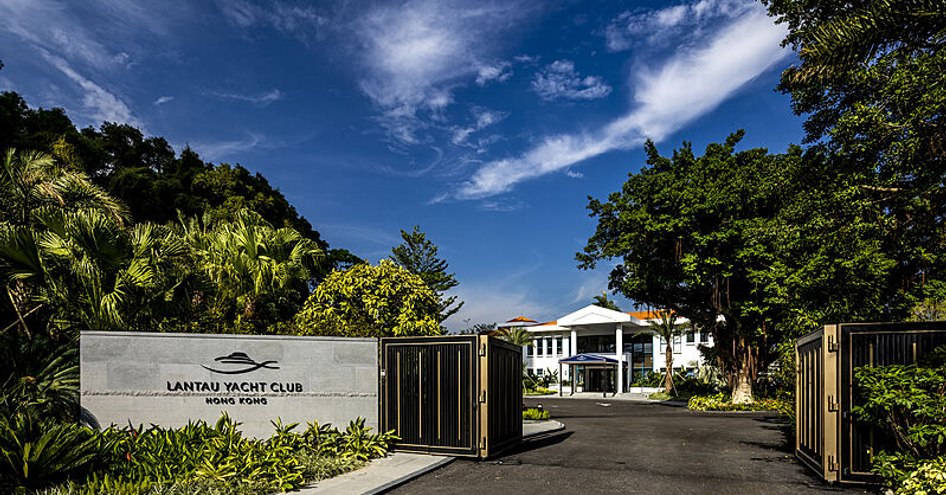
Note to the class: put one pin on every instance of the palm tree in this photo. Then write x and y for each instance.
(30, 180)
(666, 328)
(248, 262)
(57, 233)
(516, 335)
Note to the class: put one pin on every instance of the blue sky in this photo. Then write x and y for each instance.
(486, 123)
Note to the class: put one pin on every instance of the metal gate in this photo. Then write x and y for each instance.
(828, 439)
(454, 395)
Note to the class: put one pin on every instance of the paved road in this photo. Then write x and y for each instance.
(626, 447)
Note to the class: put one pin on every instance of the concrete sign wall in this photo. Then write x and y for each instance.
(168, 379)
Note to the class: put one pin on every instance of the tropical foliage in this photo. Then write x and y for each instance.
(132, 461)
(667, 329)
(371, 301)
(906, 402)
(515, 335)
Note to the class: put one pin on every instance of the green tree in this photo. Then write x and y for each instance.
(667, 328)
(419, 255)
(516, 335)
(371, 301)
(872, 84)
(144, 173)
(258, 275)
(686, 230)
(603, 301)
(479, 328)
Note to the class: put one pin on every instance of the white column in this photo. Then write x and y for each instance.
(554, 345)
(619, 351)
(573, 349)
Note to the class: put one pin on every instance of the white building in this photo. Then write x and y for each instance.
(596, 342)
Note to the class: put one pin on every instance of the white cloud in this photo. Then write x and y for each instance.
(689, 84)
(502, 205)
(302, 22)
(482, 118)
(574, 175)
(163, 99)
(262, 99)
(415, 54)
(101, 104)
(498, 72)
(560, 81)
(670, 24)
(217, 150)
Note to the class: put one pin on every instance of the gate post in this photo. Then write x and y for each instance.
(831, 403)
(483, 407)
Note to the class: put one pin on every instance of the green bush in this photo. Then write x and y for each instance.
(197, 458)
(723, 402)
(928, 477)
(538, 390)
(535, 414)
(908, 404)
(36, 453)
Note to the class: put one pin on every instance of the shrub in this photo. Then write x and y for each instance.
(37, 453)
(906, 402)
(538, 390)
(535, 414)
(217, 459)
(723, 402)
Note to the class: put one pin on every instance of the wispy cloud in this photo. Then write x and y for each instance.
(574, 175)
(502, 205)
(687, 85)
(302, 22)
(217, 150)
(100, 104)
(415, 55)
(670, 24)
(492, 304)
(560, 81)
(499, 72)
(482, 118)
(262, 99)
(163, 99)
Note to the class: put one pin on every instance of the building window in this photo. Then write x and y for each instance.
(528, 350)
(704, 337)
(596, 343)
(539, 348)
(548, 346)
(560, 342)
(677, 344)
(539, 372)
(691, 338)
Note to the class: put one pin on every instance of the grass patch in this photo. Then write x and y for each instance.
(538, 391)
(535, 414)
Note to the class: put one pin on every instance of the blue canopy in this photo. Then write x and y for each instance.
(588, 359)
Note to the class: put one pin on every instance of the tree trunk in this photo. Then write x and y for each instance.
(668, 379)
(742, 383)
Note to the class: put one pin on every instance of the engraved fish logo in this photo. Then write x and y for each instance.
(241, 359)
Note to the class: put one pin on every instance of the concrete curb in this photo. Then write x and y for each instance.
(547, 426)
(409, 476)
(351, 485)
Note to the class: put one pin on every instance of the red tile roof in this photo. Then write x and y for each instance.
(521, 319)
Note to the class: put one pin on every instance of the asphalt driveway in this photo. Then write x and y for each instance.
(646, 448)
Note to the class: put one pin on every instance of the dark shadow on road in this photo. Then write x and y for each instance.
(535, 443)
